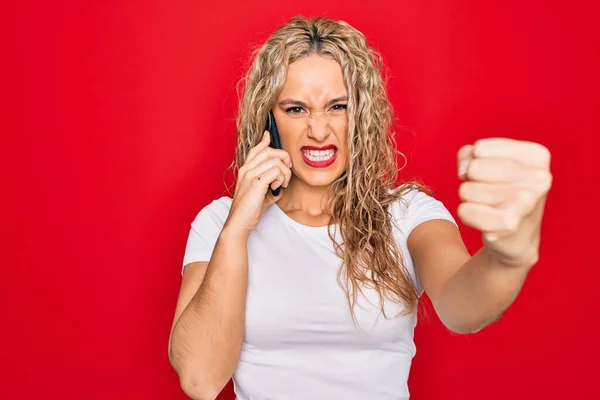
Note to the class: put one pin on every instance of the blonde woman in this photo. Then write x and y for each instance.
(312, 294)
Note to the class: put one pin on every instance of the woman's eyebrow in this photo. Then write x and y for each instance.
(287, 102)
(291, 102)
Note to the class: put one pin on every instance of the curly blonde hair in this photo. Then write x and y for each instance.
(360, 198)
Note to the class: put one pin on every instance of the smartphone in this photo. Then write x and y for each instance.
(271, 126)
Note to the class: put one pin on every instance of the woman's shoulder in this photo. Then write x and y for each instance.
(417, 205)
(409, 198)
(216, 210)
(220, 204)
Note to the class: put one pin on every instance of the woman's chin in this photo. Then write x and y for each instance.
(320, 179)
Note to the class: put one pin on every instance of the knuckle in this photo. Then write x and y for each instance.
(510, 221)
(525, 197)
(277, 159)
(251, 174)
(540, 175)
(282, 154)
(543, 180)
(545, 154)
(547, 183)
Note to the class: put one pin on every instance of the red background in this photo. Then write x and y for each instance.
(118, 126)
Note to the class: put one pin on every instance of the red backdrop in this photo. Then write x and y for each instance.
(119, 124)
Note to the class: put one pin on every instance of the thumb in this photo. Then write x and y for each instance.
(464, 157)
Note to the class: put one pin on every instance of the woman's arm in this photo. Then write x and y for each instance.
(503, 195)
(208, 327)
(468, 293)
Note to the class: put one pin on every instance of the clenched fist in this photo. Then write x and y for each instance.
(506, 182)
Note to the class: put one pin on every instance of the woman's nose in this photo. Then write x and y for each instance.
(318, 128)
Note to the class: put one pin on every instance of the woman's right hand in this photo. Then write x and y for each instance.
(264, 168)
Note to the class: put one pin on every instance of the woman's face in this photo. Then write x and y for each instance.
(311, 115)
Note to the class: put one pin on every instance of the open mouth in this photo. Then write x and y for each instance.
(319, 155)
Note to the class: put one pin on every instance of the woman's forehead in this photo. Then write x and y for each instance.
(314, 78)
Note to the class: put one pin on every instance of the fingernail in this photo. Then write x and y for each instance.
(462, 167)
(265, 134)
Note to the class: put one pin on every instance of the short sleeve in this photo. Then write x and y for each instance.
(414, 208)
(423, 208)
(205, 230)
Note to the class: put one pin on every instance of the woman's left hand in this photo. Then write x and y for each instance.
(506, 182)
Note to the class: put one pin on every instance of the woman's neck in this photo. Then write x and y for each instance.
(301, 198)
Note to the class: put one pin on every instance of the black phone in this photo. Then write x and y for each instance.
(271, 126)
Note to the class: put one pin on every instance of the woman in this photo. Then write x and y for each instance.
(312, 294)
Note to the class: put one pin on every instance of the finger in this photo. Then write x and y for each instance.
(520, 200)
(464, 156)
(264, 143)
(278, 181)
(489, 219)
(285, 170)
(526, 153)
(537, 180)
(496, 170)
(269, 153)
(264, 155)
(493, 170)
(492, 194)
(267, 165)
(272, 178)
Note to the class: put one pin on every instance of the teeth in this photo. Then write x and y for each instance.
(319, 155)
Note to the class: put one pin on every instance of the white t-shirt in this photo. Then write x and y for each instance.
(300, 340)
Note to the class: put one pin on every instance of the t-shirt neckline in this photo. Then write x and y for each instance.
(290, 221)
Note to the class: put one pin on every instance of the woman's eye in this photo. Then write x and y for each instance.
(294, 110)
(339, 107)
